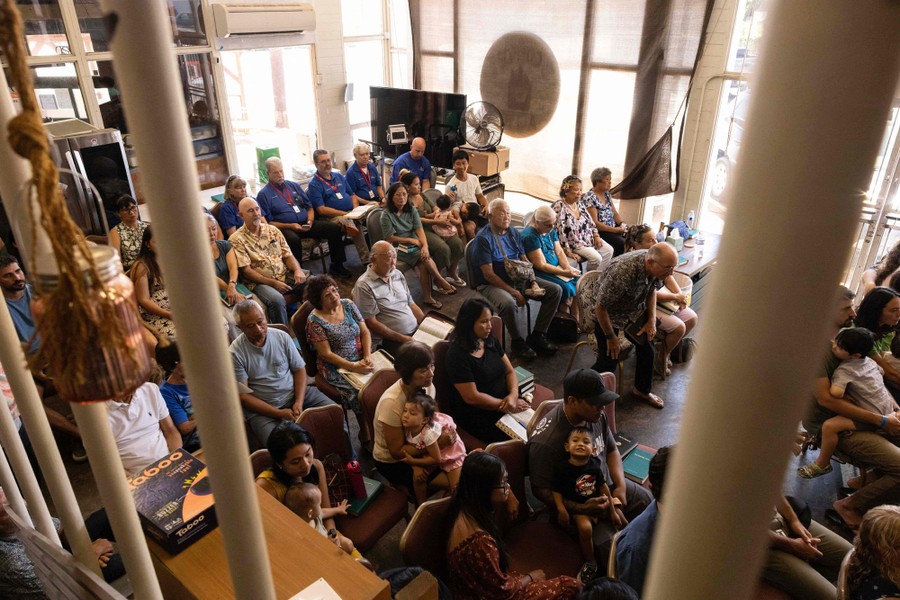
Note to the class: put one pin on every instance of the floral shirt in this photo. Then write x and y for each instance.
(264, 252)
(624, 288)
(604, 207)
(130, 242)
(343, 339)
(574, 232)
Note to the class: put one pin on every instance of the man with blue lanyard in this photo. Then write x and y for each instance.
(331, 199)
(414, 161)
(285, 205)
(363, 180)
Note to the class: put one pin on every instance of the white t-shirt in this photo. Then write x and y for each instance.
(135, 426)
(465, 190)
(388, 412)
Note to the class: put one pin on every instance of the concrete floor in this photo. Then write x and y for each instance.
(636, 419)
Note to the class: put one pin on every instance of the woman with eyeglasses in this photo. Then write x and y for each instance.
(127, 235)
(477, 559)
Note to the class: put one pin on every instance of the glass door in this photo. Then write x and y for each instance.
(272, 104)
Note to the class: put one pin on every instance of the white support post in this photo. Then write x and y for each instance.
(11, 490)
(141, 42)
(16, 172)
(824, 85)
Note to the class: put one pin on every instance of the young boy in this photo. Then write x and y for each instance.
(578, 479)
(464, 189)
(305, 500)
(862, 380)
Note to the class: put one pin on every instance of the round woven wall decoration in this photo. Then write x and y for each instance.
(520, 76)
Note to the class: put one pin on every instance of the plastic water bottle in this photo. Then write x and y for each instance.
(690, 220)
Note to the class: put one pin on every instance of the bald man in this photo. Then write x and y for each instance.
(382, 296)
(285, 205)
(414, 161)
(626, 295)
(266, 262)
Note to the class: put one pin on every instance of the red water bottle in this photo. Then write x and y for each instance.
(354, 474)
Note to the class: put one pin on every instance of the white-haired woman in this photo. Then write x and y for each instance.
(363, 180)
(577, 232)
(542, 247)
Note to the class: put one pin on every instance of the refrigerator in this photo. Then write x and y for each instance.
(99, 156)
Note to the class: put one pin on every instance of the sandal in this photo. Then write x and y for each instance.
(434, 304)
(530, 293)
(457, 281)
(446, 291)
(812, 470)
(651, 399)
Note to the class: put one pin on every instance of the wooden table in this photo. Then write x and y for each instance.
(698, 267)
(700, 258)
(298, 556)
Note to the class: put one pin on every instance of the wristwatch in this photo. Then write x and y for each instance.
(609, 336)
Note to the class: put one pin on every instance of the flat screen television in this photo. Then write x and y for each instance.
(431, 115)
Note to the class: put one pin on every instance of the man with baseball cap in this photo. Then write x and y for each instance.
(584, 399)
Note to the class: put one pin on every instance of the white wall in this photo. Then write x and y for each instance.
(334, 119)
(701, 116)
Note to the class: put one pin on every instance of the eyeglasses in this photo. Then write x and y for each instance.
(502, 486)
(132, 208)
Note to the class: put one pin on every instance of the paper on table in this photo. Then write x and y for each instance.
(318, 590)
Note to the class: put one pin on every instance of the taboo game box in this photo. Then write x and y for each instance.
(174, 500)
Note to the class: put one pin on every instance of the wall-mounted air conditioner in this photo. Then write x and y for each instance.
(256, 19)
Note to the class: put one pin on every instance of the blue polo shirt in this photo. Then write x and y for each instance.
(324, 192)
(285, 204)
(421, 167)
(488, 252)
(357, 184)
(228, 216)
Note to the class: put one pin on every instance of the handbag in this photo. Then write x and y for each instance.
(520, 272)
(563, 328)
(684, 351)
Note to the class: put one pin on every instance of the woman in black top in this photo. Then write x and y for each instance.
(483, 381)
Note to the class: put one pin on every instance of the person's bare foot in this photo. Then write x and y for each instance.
(848, 513)
(651, 398)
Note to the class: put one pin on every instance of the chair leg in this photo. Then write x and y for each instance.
(572, 356)
(621, 378)
(528, 316)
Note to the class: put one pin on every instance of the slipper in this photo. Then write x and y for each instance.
(651, 399)
(812, 470)
(435, 304)
(457, 281)
(447, 292)
(530, 293)
(833, 517)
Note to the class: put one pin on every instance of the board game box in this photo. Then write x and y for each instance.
(174, 500)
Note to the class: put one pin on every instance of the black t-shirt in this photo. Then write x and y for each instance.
(488, 373)
(579, 483)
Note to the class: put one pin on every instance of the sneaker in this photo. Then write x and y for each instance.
(340, 271)
(522, 350)
(587, 573)
(79, 454)
(540, 344)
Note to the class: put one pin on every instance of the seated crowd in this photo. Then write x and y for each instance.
(445, 403)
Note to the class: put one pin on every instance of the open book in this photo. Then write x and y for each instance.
(380, 358)
(432, 330)
(515, 425)
(360, 211)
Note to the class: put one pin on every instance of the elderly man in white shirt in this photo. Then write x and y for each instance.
(382, 296)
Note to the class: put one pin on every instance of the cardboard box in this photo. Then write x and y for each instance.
(487, 163)
(174, 500)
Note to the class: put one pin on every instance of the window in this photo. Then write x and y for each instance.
(271, 104)
(365, 52)
(57, 90)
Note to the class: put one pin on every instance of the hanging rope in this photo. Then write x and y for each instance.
(74, 328)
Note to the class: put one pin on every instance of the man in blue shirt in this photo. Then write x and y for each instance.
(332, 200)
(415, 162)
(285, 205)
(496, 286)
(363, 180)
(268, 363)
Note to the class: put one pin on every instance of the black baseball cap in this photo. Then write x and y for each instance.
(587, 385)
